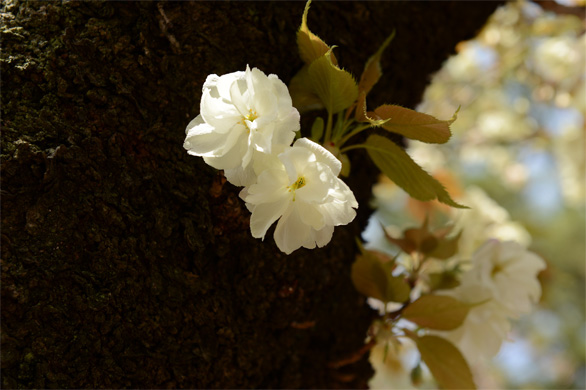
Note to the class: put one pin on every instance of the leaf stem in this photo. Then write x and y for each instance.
(328, 136)
(353, 133)
(351, 147)
(347, 123)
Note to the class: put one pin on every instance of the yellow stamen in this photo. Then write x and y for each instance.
(252, 115)
(297, 185)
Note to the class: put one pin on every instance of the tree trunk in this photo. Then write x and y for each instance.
(127, 262)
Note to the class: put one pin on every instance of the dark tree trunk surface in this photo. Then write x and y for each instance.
(128, 263)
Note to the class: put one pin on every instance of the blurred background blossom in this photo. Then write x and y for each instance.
(516, 158)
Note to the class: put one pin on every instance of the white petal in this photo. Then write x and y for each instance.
(239, 99)
(336, 213)
(232, 157)
(291, 233)
(284, 135)
(264, 161)
(324, 236)
(317, 184)
(202, 140)
(295, 161)
(310, 215)
(343, 193)
(198, 120)
(241, 176)
(224, 83)
(221, 115)
(271, 185)
(322, 154)
(211, 83)
(282, 93)
(264, 98)
(319, 238)
(265, 214)
(261, 138)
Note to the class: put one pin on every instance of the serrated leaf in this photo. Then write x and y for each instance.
(439, 312)
(446, 363)
(302, 92)
(372, 70)
(335, 87)
(401, 169)
(311, 47)
(360, 115)
(360, 106)
(414, 125)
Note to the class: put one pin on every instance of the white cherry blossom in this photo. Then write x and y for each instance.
(300, 188)
(503, 282)
(241, 114)
(509, 271)
(485, 328)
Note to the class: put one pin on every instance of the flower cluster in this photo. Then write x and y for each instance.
(503, 279)
(246, 126)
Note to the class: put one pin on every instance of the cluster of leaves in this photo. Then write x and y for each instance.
(321, 83)
(377, 275)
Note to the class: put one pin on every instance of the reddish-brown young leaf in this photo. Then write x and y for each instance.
(372, 70)
(445, 361)
(439, 312)
(414, 125)
(311, 47)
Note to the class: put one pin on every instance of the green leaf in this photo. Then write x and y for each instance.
(335, 87)
(372, 276)
(317, 129)
(415, 125)
(338, 127)
(416, 375)
(311, 47)
(446, 363)
(345, 172)
(372, 70)
(400, 168)
(437, 312)
(302, 92)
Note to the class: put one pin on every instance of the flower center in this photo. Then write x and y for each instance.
(252, 115)
(497, 268)
(297, 185)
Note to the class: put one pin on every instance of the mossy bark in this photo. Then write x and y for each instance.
(128, 263)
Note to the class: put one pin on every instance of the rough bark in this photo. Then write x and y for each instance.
(128, 263)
